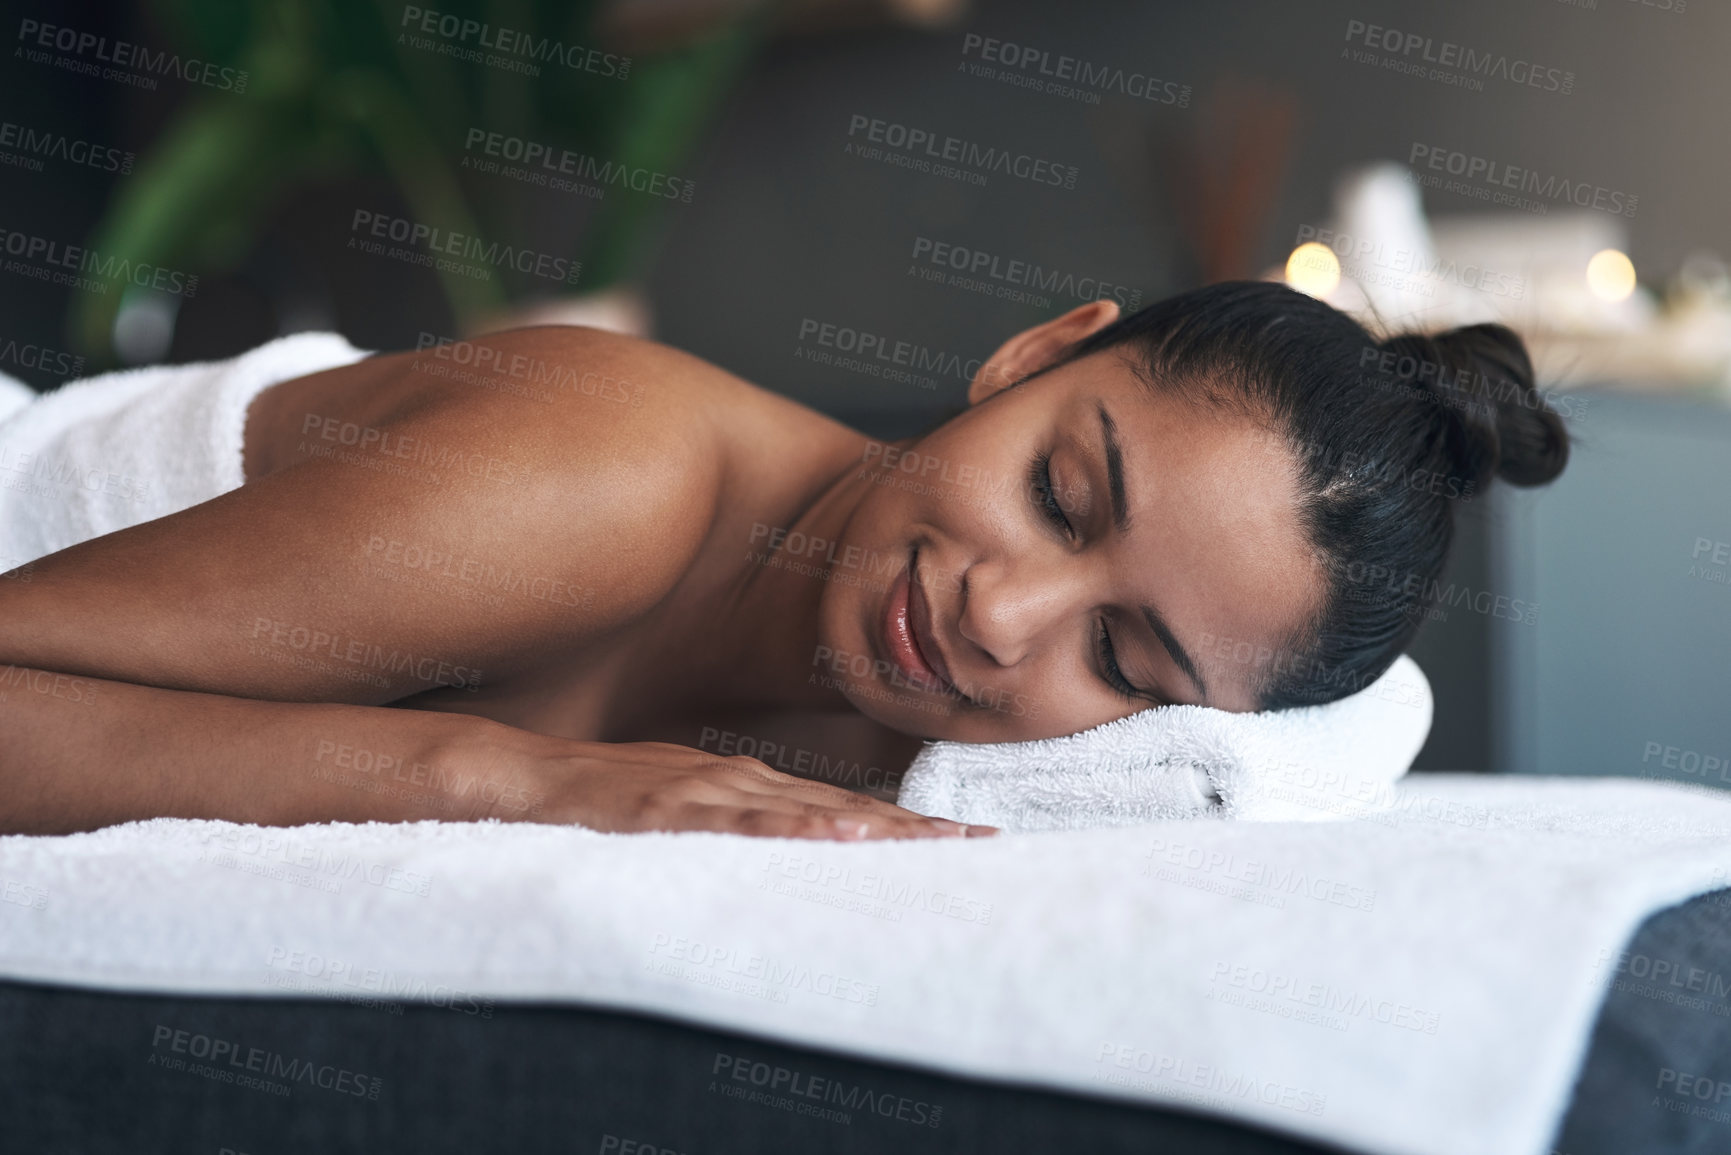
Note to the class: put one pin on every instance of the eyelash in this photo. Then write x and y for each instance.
(1040, 481)
(1109, 664)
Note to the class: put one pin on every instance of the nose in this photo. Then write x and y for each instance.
(1012, 606)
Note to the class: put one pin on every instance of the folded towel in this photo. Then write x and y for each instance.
(1310, 763)
(1419, 982)
(104, 453)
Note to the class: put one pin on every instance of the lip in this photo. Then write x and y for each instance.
(920, 621)
(902, 639)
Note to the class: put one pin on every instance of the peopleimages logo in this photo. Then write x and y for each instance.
(763, 976)
(326, 973)
(1361, 258)
(30, 355)
(443, 243)
(971, 160)
(40, 473)
(1448, 62)
(236, 1060)
(37, 40)
(371, 655)
(459, 31)
(544, 164)
(1484, 176)
(1222, 1085)
(866, 348)
(53, 261)
(977, 269)
(1067, 75)
(782, 1081)
(889, 890)
(33, 145)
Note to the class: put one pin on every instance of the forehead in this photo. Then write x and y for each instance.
(1215, 541)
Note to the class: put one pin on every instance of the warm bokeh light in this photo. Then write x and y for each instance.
(1313, 268)
(1610, 275)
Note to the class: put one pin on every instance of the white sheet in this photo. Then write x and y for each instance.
(1469, 927)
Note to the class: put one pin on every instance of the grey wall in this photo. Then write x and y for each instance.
(788, 226)
(1632, 650)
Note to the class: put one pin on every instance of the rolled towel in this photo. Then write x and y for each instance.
(1310, 763)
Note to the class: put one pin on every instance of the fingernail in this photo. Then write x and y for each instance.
(945, 826)
(851, 828)
(979, 831)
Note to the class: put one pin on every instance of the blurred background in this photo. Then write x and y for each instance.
(765, 185)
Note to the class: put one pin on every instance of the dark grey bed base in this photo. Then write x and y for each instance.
(89, 1073)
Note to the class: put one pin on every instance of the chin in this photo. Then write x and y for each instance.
(899, 707)
(899, 718)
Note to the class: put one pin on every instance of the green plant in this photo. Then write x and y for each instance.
(336, 87)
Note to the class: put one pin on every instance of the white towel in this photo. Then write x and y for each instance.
(1423, 981)
(104, 453)
(1311, 763)
(14, 395)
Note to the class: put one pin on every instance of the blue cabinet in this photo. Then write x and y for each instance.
(1627, 668)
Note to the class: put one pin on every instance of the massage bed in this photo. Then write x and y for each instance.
(1493, 965)
(549, 1078)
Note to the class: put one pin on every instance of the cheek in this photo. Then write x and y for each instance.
(969, 463)
(860, 569)
(838, 632)
(1058, 699)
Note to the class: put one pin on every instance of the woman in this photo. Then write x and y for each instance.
(1235, 497)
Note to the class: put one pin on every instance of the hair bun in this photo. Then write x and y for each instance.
(1481, 377)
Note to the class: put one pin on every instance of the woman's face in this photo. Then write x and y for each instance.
(1064, 553)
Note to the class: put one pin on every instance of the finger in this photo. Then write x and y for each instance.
(755, 775)
(747, 772)
(761, 822)
(850, 822)
(774, 821)
(848, 828)
(875, 822)
(796, 796)
(766, 823)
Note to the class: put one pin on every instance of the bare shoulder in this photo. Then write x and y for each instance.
(606, 436)
(571, 386)
(591, 376)
(659, 438)
(550, 380)
(631, 388)
(673, 436)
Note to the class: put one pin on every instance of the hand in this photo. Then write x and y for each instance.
(631, 786)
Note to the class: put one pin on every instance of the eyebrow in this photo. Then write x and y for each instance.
(1114, 468)
(1121, 518)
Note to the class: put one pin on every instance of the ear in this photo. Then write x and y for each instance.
(1033, 349)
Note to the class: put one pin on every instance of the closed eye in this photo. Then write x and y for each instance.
(1109, 668)
(1041, 488)
(1040, 485)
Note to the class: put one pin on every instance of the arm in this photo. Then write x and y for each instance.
(88, 752)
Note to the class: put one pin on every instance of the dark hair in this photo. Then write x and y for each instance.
(1388, 435)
